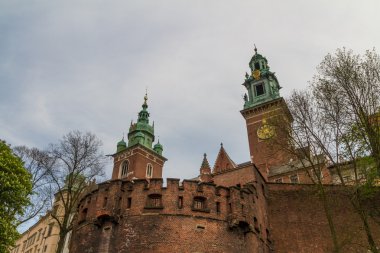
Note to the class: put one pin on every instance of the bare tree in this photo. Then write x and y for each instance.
(308, 142)
(37, 163)
(78, 161)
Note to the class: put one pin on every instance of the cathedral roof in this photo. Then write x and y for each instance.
(223, 161)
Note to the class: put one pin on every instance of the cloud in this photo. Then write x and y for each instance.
(86, 64)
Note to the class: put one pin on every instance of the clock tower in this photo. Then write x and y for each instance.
(265, 111)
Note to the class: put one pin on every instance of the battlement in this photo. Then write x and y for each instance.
(117, 199)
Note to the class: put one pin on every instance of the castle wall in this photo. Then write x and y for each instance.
(298, 221)
(240, 175)
(120, 216)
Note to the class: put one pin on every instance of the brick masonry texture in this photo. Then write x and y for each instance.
(117, 217)
(298, 222)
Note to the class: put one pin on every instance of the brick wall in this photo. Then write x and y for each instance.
(119, 217)
(298, 222)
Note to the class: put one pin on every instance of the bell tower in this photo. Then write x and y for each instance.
(138, 159)
(263, 106)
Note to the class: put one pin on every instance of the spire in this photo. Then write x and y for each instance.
(145, 100)
(144, 114)
(223, 161)
(205, 170)
(141, 132)
(262, 85)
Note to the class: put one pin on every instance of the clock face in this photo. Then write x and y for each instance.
(266, 132)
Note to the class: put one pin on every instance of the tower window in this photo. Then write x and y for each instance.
(257, 65)
(154, 201)
(259, 89)
(149, 170)
(124, 168)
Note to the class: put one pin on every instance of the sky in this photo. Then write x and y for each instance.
(85, 65)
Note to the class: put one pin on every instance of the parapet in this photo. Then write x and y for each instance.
(117, 199)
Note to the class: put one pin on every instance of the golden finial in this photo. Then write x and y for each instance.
(146, 96)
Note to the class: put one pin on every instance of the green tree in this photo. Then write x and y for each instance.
(15, 188)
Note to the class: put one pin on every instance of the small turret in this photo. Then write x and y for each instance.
(158, 148)
(121, 145)
(205, 171)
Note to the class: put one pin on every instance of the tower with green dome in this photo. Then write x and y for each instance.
(263, 106)
(141, 132)
(139, 158)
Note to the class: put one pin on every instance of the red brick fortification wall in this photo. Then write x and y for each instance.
(298, 222)
(155, 233)
(124, 216)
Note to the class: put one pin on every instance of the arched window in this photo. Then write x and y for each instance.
(124, 168)
(149, 170)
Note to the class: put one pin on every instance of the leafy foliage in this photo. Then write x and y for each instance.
(15, 187)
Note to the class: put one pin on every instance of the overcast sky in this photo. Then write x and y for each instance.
(85, 65)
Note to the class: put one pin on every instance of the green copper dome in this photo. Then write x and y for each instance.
(121, 145)
(158, 148)
(262, 85)
(141, 132)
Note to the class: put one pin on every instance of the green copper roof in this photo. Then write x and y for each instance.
(262, 84)
(158, 148)
(121, 145)
(141, 132)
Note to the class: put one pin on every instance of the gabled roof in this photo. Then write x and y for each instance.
(223, 161)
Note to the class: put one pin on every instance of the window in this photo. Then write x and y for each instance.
(257, 65)
(180, 202)
(259, 89)
(129, 203)
(124, 168)
(278, 180)
(154, 201)
(149, 170)
(294, 179)
(105, 202)
(199, 203)
(218, 207)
